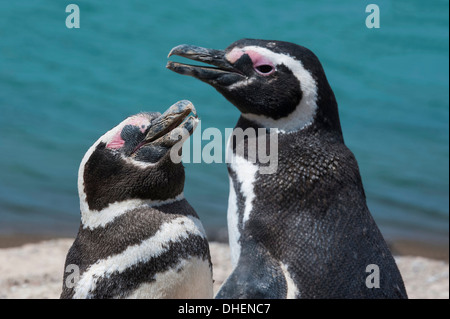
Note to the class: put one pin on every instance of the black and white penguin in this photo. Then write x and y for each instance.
(303, 231)
(138, 237)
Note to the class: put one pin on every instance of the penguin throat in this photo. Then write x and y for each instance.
(302, 117)
(100, 218)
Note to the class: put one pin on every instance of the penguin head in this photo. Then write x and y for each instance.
(273, 83)
(135, 159)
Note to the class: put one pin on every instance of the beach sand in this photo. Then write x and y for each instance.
(34, 270)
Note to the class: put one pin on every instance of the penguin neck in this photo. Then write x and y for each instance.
(244, 123)
(327, 116)
(317, 109)
(99, 218)
(325, 120)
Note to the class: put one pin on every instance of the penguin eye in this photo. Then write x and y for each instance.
(264, 69)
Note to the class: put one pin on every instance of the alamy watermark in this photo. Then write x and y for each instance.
(73, 19)
(373, 279)
(256, 146)
(373, 19)
(73, 275)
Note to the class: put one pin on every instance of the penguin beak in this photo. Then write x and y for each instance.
(223, 74)
(172, 126)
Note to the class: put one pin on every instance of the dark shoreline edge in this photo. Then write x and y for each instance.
(399, 246)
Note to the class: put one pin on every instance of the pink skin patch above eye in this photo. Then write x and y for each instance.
(257, 58)
(140, 121)
(234, 55)
(116, 142)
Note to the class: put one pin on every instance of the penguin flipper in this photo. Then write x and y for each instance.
(257, 275)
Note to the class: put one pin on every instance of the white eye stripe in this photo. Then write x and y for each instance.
(304, 113)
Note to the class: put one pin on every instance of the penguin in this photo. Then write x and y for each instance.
(303, 230)
(138, 236)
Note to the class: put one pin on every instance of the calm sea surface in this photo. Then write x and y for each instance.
(61, 89)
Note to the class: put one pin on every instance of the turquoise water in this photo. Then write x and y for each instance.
(60, 89)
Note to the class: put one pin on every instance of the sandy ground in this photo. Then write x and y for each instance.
(35, 271)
